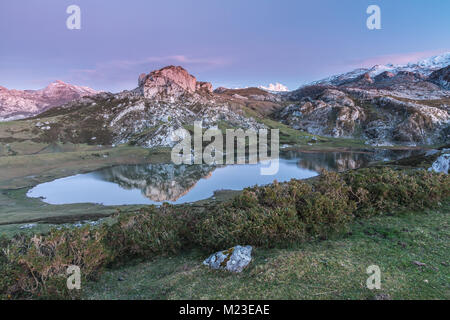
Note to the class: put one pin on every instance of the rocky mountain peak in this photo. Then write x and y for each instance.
(58, 82)
(16, 104)
(170, 81)
(277, 87)
(62, 89)
(421, 68)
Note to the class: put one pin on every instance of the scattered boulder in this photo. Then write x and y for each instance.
(441, 164)
(234, 259)
(28, 226)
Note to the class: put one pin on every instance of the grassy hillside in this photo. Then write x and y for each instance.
(330, 269)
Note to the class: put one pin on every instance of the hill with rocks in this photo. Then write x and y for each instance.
(149, 116)
(17, 104)
(403, 105)
(382, 105)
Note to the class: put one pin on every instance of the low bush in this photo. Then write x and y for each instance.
(278, 214)
(40, 262)
(378, 190)
(148, 233)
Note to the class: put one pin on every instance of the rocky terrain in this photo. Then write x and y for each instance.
(382, 105)
(17, 104)
(442, 77)
(402, 105)
(422, 68)
(149, 116)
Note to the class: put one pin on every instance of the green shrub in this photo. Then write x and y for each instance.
(278, 214)
(149, 233)
(378, 190)
(9, 272)
(43, 260)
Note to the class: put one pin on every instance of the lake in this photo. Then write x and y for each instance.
(158, 183)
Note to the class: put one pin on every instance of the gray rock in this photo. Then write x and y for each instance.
(234, 259)
(441, 164)
(28, 226)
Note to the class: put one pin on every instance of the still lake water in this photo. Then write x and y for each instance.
(158, 183)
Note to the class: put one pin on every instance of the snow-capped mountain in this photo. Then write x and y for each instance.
(384, 105)
(277, 87)
(17, 104)
(423, 67)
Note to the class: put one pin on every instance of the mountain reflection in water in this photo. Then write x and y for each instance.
(341, 161)
(158, 183)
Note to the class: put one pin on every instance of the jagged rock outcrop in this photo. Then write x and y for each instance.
(330, 113)
(170, 83)
(371, 115)
(385, 105)
(16, 104)
(150, 115)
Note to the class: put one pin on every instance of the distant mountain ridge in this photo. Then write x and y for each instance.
(150, 115)
(408, 105)
(383, 105)
(17, 104)
(277, 87)
(423, 67)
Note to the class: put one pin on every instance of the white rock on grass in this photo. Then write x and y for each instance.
(234, 259)
(441, 164)
(28, 226)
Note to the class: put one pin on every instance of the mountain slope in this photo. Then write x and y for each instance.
(16, 104)
(383, 105)
(423, 68)
(164, 101)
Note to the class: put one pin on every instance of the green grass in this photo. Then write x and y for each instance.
(330, 269)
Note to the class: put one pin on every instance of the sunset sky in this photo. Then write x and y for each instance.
(232, 43)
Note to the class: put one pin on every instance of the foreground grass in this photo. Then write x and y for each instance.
(330, 269)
